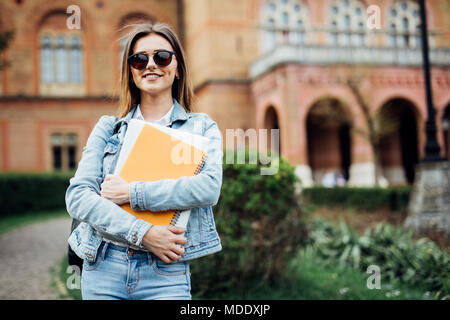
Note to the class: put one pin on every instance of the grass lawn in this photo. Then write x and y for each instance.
(18, 220)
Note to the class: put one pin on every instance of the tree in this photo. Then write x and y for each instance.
(380, 124)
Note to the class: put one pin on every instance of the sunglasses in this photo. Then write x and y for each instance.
(140, 60)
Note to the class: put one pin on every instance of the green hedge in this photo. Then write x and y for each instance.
(394, 198)
(261, 226)
(25, 192)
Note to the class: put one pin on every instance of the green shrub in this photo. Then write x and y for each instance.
(394, 250)
(394, 198)
(26, 192)
(260, 224)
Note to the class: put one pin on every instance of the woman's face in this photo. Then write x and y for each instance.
(166, 75)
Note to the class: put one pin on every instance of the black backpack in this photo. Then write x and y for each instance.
(74, 260)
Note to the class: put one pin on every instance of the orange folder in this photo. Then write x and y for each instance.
(158, 155)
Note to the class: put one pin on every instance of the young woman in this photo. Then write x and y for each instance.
(125, 257)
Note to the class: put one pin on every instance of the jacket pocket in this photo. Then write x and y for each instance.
(207, 219)
(193, 229)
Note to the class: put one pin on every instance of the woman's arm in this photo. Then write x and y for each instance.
(83, 198)
(201, 190)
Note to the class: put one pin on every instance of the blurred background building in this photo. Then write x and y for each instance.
(281, 64)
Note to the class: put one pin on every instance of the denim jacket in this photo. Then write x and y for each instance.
(103, 218)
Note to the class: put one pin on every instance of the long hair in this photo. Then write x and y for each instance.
(129, 94)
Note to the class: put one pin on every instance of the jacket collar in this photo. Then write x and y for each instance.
(178, 114)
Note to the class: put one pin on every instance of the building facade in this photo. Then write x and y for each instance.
(255, 64)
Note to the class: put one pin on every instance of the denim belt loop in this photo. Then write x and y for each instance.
(103, 252)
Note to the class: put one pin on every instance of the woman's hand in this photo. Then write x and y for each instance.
(116, 189)
(165, 242)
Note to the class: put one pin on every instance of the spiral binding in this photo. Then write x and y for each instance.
(175, 218)
(201, 163)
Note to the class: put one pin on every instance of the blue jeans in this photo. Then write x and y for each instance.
(123, 273)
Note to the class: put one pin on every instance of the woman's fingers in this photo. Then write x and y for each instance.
(175, 229)
(115, 189)
(164, 243)
(179, 250)
(173, 256)
(180, 240)
(164, 258)
(168, 256)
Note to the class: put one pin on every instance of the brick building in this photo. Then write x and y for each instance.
(254, 64)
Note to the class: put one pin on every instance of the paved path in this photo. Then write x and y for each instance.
(26, 256)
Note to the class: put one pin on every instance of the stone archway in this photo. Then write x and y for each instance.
(398, 141)
(329, 143)
(271, 122)
(446, 131)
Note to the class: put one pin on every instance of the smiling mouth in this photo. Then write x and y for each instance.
(152, 76)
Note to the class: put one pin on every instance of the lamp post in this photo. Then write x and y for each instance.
(429, 203)
(432, 149)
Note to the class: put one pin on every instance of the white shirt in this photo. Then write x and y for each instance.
(164, 120)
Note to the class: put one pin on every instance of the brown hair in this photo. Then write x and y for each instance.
(129, 94)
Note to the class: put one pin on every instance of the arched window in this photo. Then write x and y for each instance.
(76, 65)
(63, 150)
(47, 74)
(61, 60)
(283, 22)
(404, 24)
(60, 57)
(347, 21)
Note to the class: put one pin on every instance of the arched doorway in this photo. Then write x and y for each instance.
(329, 144)
(446, 131)
(398, 141)
(271, 122)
